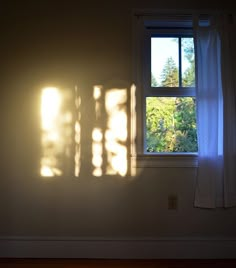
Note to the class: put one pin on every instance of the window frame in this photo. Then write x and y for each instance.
(145, 27)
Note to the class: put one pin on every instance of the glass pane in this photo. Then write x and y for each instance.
(188, 62)
(164, 62)
(171, 125)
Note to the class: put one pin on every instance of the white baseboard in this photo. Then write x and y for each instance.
(95, 248)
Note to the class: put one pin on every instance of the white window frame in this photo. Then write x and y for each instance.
(142, 22)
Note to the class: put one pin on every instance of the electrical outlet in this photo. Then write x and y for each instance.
(172, 201)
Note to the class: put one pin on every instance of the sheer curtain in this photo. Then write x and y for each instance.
(216, 110)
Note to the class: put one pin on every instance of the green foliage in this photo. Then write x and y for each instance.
(169, 76)
(171, 124)
(188, 79)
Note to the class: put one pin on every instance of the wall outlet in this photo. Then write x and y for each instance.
(172, 201)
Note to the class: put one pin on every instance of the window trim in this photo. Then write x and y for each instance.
(140, 158)
(165, 160)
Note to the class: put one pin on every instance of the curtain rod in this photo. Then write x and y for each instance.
(180, 12)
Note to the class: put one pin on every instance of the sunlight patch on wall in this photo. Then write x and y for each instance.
(97, 148)
(109, 134)
(133, 129)
(56, 127)
(116, 131)
(61, 132)
(77, 139)
(97, 134)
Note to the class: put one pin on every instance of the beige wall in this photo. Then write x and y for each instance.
(68, 44)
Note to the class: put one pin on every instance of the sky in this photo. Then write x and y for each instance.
(161, 49)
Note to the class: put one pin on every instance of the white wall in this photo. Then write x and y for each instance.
(73, 43)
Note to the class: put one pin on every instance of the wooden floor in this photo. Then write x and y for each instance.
(78, 263)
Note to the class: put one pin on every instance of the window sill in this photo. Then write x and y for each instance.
(188, 160)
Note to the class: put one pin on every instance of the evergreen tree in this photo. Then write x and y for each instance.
(170, 74)
(188, 77)
(154, 81)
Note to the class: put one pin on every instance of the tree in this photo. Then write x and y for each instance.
(188, 78)
(169, 75)
(185, 115)
(154, 81)
(159, 123)
(171, 124)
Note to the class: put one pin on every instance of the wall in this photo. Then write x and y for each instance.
(85, 44)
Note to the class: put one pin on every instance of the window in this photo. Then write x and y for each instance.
(165, 80)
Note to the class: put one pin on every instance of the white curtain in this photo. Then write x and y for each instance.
(209, 117)
(216, 113)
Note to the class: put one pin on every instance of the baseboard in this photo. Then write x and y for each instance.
(145, 248)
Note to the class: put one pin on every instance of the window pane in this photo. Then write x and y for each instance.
(188, 62)
(171, 124)
(164, 62)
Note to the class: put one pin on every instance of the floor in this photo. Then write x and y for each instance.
(83, 263)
